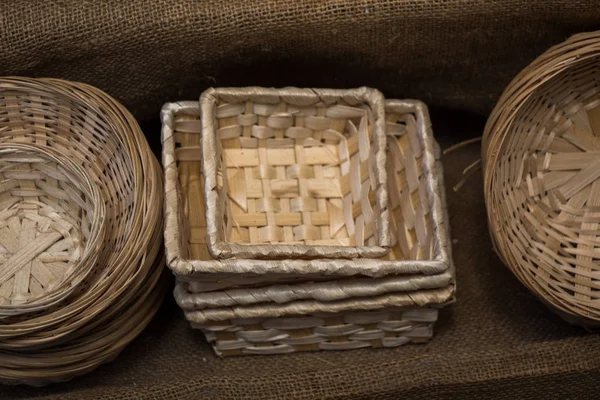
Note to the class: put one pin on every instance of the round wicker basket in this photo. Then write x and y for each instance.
(541, 160)
(106, 206)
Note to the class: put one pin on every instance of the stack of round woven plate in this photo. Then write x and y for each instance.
(80, 230)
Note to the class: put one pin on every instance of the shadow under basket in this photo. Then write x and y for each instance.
(258, 306)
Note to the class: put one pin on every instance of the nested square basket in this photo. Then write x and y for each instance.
(269, 306)
(295, 172)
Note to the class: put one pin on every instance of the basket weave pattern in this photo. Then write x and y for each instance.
(296, 172)
(237, 301)
(51, 223)
(80, 230)
(321, 331)
(542, 174)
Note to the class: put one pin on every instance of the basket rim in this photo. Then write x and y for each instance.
(218, 246)
(437, 298)
(184, 267)
(325, 291)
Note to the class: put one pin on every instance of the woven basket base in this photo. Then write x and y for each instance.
(330, 331)
(53, 246)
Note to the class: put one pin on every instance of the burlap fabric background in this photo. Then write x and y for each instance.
(146, 52)
(497, 341)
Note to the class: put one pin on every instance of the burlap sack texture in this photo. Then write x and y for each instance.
(451, 53)
(496, 341)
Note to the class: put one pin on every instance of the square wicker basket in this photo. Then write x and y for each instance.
(253, 306)
(295, 173)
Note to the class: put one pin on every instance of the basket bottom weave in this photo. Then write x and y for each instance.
(332, 331)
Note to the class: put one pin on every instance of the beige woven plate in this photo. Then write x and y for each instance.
(541, 155)
(52, 221)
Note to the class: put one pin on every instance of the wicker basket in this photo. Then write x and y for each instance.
(80, 224)
(251, 306)
(295, 173)
(542, 177)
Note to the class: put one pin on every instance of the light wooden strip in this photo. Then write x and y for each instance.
(571, 161)
(581, 138)
(227, 110)
(270, 204)
(335, 210)
(317, 123)
(262, 132)
(304, 232)
(340, 111)
(281, 120)
(303, 203)
(284, 188)
(581, 179)
(270, 233)
(352, 144)
(188, 154)
(264, 171)
(254, 189)
(324, 155)
(247, 120)
(281, 219)
(324, 188)
(236, 189)
(22, 276)
(237, 158)
(276, 157)
(298, 132)
(193, 126)
(41, 273)
(280, 143)
(229, 132)
(348, 215)
(364, 146)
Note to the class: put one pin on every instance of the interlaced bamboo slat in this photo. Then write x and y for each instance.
(295, 172)
(52, 221)
(80, 230)
(540, 156)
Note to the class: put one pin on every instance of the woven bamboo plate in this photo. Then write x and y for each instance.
(52, 220)
(542, 177)
(228, 298)
(122, 290)
(295, 172)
